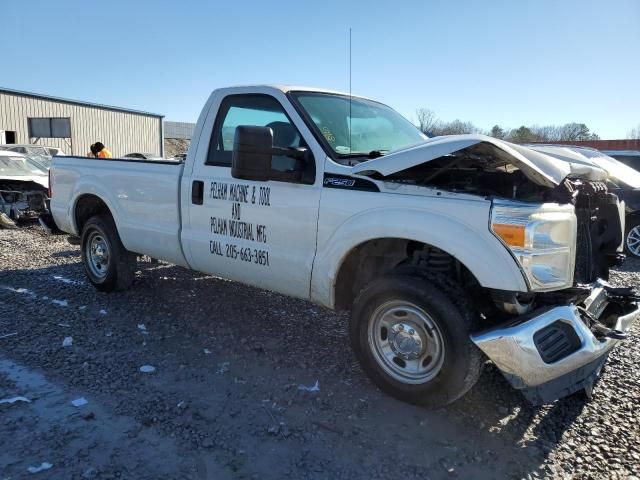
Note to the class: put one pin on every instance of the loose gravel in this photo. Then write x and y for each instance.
(224, 398)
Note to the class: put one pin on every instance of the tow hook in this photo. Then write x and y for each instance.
(616, 334)
(601, 331)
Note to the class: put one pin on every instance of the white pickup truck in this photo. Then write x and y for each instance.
(446, 250)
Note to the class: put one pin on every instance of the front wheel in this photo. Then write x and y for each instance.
(411, 336)
(107, 264)
(632, 238)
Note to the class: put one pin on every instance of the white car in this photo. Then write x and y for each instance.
(623, 181)
(446, 250)
(628, 157)
(23, 187)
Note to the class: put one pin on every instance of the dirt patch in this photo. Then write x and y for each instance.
(225, 400)
(175, 146)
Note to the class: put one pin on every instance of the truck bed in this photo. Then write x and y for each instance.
(143, 196)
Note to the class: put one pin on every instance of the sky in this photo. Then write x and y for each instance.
(493, 62)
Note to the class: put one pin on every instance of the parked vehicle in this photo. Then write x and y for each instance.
(628, 157)
(37, 153)
(445, 250)
(34, 150)
(624, 181)
(143, 156)
(28, 149)
(23, 187)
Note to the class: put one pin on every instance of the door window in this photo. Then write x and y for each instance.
(255, 110)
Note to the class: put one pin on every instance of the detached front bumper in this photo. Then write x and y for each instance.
(556, 351)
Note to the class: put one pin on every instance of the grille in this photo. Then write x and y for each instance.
(556, 341)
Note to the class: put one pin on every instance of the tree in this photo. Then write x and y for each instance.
(547, 133)
(522, 135)
(569, 132)
(427, 120)
(497, 132)
(634, 133)
(576, 132)
(457, 127)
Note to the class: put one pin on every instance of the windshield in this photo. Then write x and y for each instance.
(357, 127)
(620, 172)
(18, 167)
(42, 162)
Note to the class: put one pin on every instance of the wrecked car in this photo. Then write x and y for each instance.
(447, 251)
(623, 180)
(23, 187)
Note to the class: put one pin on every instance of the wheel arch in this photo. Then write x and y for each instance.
(86, 206)
(480, 253)
(379, 256)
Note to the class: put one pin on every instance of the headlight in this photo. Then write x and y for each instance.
(542, 239)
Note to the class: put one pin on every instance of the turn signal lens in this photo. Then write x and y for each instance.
(512, 235)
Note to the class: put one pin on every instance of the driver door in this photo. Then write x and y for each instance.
(259, 233)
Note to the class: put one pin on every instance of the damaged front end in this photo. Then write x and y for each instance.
(22, 200)
(555, 351)
(563, 228)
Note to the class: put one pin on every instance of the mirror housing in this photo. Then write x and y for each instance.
(251, 158)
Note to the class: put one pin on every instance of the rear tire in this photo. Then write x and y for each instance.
(411, 336)
(108, 265)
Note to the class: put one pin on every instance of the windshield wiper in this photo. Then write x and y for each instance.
(371, 154)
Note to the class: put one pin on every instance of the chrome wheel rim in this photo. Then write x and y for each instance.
(97, 253)
(633, 240)
(406, 342)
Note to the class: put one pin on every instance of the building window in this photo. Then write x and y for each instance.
(9, 137)
(48, 127)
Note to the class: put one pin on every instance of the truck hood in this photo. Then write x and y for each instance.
(544, 169)
(42, 180)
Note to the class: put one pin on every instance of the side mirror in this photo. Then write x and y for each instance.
(252, 147)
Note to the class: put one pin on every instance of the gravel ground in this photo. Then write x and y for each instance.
(224, 400)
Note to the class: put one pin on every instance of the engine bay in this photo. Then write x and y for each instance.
(599, 232)
(466, 172)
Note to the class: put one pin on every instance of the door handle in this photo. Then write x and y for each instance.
(197, 188)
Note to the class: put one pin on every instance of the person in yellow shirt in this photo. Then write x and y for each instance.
(102, 151)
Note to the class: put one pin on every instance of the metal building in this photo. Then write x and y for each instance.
(179, 130)
(74, 125)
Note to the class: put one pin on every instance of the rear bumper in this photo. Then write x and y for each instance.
(552, 353)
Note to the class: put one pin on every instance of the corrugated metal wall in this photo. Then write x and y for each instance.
(122, 132)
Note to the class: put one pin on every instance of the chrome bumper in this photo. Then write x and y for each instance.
(516, 349)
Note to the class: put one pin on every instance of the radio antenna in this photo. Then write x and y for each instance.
(350, 90)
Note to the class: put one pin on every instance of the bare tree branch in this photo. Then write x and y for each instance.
(634, 133)
(427, 120)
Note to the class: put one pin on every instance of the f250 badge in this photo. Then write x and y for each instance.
(339, 182)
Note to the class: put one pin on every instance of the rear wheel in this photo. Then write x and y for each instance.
(107, 264)
(411, 336)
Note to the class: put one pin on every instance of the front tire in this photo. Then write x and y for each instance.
(411, 336)
(107, 264)
(632, 238)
